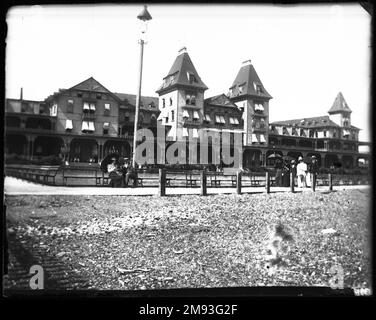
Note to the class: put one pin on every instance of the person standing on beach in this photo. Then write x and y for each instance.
(301, 171)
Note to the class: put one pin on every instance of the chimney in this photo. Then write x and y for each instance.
(21, 94)
(183, 50)
(246, 63)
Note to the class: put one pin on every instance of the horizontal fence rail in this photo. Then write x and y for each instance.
(93, 176)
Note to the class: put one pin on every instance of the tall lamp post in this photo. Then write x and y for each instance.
(144, 16)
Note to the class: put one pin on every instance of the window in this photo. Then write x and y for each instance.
(86, 106)
(107, 106)
(79, 94)
(294, 132)
(195, 133)
(185, 132)
(172, 116)
(316, 134)
(345, 122)
(196, 115)
(70, 106)
(311, 133)
(92, 107)
(262, 139)
(191, 78)
(106, 127)
(231, 119)
(53, 110)
(302, 133)
(207, 118)
(324, 133)
(91, 126)
(236, 120)
(259, 107)
(284, 131)
(68, 125)
(241, 88)
(190, 98)
(163, 102)
(254, 138)
(217, 119)
(170, 101)
(223, 121)
(257, 87)
(185, 114)
(85, 126)
(126, 117)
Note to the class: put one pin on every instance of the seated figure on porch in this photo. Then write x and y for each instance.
(131, 175)
(114, 174)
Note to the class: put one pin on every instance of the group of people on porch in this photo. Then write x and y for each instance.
(303, 170)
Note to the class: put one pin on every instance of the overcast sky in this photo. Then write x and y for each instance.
(304, 55)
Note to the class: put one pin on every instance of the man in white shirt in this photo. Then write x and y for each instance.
(301, 172)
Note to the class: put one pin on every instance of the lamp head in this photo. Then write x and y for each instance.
(144, 15)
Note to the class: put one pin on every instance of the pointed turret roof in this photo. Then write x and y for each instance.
(247, 82)
(182, 73)
(339, 105)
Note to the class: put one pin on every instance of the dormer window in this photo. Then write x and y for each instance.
(191, 78)
(257, 87)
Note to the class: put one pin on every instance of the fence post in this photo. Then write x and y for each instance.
(292, 182)
(162, 183)
(267, 182)
(313, 181)
(239, 182)
(330, 182)
(203, 183)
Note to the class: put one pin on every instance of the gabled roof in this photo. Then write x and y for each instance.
(314, 122)
(180, 72)
(89, 84)
(145, 101)
(339, 105)
(220, 100)
(248, 79)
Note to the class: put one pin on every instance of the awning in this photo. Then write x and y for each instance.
(207, 117)
(92, 106)
(107, 106)
(217, 119)
(259, 107)
(91, 126)
(254, 138)
(85, 126)
(196, 115)
(185, 132)
(68, 124)
(171, 132)
(185, 114)
(232, 120)
(346, 132)
(195, 133)
(223, 119)
(236, 120)
(106, 125)
(262, 138)
(86, 106)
